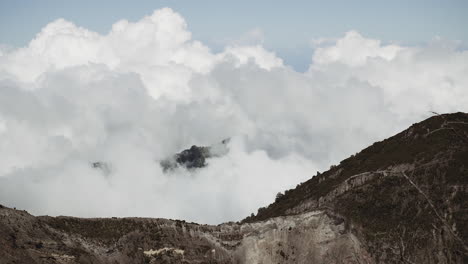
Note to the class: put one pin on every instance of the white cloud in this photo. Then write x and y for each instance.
(240, 55)
(354, 50)
(413, 79)
(146, 90)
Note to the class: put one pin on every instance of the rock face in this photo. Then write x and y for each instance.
(402, 200)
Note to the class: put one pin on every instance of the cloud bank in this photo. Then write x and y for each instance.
(147, 90)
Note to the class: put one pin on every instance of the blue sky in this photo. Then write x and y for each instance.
(288, 26)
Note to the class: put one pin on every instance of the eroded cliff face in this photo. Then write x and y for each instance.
(402, 200)
(312, 237)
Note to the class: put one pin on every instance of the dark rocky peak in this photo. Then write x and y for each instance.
(104, 167)
(195, 157)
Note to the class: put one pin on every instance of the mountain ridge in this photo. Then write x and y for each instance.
(401, 200)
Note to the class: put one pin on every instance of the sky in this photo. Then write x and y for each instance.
(129, 86)
(287, 28)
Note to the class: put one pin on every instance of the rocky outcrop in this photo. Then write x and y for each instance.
(195, 157)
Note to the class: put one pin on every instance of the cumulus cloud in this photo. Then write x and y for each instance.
(354, 50)
(412, 79)
(146, 90)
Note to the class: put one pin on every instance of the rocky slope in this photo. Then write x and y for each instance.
(406, 197)
(316, 236)
(402, 200)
